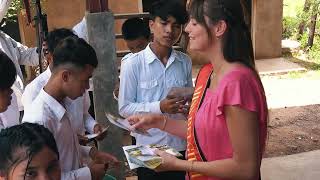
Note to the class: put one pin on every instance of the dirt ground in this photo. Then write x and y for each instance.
(293, 130)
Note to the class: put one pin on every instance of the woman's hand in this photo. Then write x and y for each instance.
(169, 162)
(146, 121)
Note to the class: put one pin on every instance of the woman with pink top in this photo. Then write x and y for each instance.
(227, 124)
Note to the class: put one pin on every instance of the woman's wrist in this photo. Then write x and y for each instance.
(158, 121)
(185, 165)
(164, 122)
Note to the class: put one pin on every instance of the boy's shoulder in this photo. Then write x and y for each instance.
(182, 56)
(126, 57)
(133, 59)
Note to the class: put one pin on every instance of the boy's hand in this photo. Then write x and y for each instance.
(98, 128)
(171, 104)
(83, 140)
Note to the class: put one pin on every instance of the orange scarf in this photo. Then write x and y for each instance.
(193, 150)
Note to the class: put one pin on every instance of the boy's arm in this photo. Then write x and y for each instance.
(26, 56)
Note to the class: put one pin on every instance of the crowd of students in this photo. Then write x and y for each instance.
(222, 133)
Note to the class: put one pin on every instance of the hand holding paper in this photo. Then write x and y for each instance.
(124, 124)
(96, 135)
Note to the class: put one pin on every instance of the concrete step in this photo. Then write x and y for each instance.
(276, 66)
(303, 166)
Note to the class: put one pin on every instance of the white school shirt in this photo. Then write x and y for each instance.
(20, 55)
(5, 120)
(145, 81)
(47, 111)
(80, 29)
(79, 110)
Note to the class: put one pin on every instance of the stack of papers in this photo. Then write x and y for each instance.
(144, 156)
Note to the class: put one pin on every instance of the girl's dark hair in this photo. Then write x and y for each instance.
(166, 8)
(237, 44)
(22, 142)
(8, 71)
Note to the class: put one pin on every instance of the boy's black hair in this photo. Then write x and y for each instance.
(166, 8)
(75, 51)
(56, 35)
(22, 142)
(8, 71)
(135, 28)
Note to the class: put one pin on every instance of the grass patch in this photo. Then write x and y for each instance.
(312, 69)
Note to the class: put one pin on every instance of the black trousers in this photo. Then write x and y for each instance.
(148, 174)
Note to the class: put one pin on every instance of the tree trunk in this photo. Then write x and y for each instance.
(312, 29)
(302, 24)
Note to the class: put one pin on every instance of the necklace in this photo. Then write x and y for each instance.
(213, 75)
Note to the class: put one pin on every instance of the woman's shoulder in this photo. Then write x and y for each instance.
(239, 72)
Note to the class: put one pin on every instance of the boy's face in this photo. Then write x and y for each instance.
(77, 81)
(138, 44)
(165, 32)
(5, 99)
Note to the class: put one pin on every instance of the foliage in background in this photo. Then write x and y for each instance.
(290, 25)
(294, 15)
(11, 15)
(314, 51)
(16, 5)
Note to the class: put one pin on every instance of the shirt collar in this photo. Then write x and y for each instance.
(150, 56)
(48, 72)
(55, 107)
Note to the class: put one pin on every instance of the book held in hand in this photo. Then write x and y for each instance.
(144, 156)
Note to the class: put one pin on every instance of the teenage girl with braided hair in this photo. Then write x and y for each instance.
(227, 124)
(28, 152)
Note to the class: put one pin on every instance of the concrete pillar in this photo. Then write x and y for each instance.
(101, 37)
(267, 28)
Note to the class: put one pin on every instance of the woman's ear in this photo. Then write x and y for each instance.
(220, 28)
